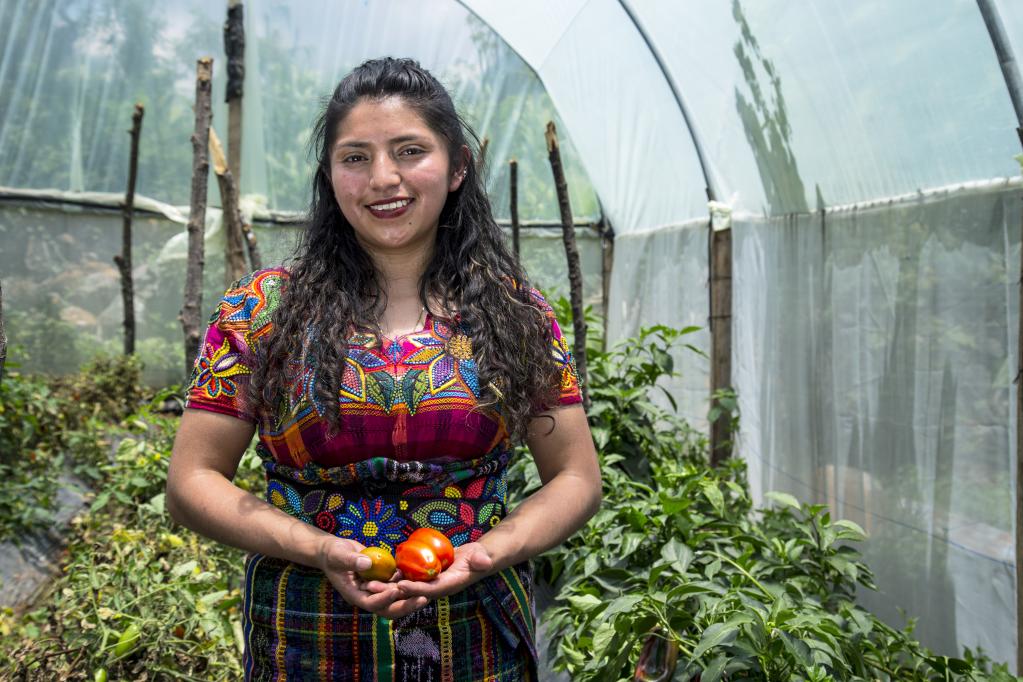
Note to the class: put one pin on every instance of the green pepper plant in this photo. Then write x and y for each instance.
(678, 552)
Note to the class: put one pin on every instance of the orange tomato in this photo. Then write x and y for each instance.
(382, 567)
(438, 542)
(417, 560)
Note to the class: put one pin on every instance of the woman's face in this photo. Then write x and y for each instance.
(391, 176)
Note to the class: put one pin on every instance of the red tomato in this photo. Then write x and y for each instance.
(438, 542)
(417, 561)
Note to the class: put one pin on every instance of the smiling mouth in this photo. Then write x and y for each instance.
(390, 206)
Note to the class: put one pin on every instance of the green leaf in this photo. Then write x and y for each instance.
(157, 503)
(584, 602)
(783, 499)
(622, 604)
(182, 569)
(100, 501)
(713, 494)
(672, 505)
(678, 554)
(631, 543)
(591, 564)
(717, 634)
(714, 669)
(601, 638)
(849, 530)
(213, 597)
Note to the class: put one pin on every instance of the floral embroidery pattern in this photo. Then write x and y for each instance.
(307, 507)
(461, 521)
(214, 370)
(441, 360)
(369, 522)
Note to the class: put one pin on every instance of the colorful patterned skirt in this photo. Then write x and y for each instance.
(298, 627)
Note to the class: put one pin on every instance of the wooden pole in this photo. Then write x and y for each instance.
(255, 259)
(234, 240)
(123, 259)
(191, 311)
(575, 275)
(234, 48)
(481, 162)
(607, 250)
(513, 174)
(1014, 85)
(721, 338)
(3, 334)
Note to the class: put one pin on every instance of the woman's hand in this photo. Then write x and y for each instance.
(472, 563)
(340, 559)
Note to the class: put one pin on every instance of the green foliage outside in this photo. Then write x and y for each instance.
(678, 550)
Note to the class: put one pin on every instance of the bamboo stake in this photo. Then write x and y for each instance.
(234, 48)
(513, 170)
(1014, 85)
(575, 275)
(191, 312)
(234, 249)
(3, 335)
(123, 260)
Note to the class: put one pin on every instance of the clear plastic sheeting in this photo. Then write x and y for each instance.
(1012, 20)
(631, 137)
(797, 105)
(661, 276)
(71, 71)
(872, 360)
(62, 292)
(804, 104)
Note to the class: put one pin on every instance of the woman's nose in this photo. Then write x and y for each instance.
(384, 173)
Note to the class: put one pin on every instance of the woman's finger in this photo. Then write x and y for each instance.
(345, 555)
(403, 607)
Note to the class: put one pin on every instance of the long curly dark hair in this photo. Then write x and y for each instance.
(334, 289)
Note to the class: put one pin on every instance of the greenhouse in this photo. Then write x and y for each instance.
(797, 226)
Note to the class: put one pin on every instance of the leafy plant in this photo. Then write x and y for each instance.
(138, 595)
(52, 425)
(678, 552)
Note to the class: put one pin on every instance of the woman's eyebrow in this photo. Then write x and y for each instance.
(361, 144)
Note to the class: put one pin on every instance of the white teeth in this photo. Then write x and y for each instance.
(391, 206)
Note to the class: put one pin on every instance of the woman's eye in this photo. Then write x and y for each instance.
(352, 158)
(411, 151)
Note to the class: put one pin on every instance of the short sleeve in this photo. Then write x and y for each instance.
(568, 389)
(223, 367)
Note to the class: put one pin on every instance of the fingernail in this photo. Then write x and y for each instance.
(362, 563)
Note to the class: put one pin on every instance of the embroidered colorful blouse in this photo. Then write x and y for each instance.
(414, 449)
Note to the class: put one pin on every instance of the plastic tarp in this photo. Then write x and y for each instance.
(873, 353)
(71, 71)
(873, 319)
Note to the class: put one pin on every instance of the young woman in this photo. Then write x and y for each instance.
(388, 369)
